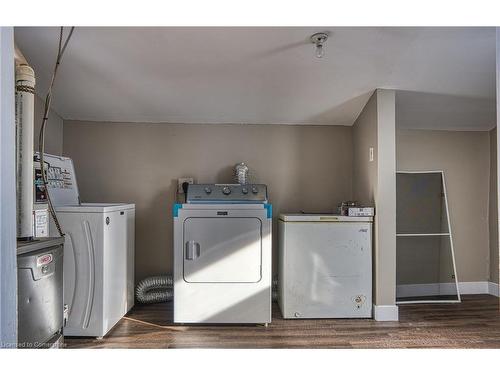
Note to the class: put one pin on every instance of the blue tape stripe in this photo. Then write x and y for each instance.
(224, 202)
(269, 208)
(175, 209)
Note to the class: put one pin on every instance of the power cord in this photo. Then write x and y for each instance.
(41, 138)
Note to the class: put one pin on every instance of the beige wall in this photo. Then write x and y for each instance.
(385, 219)
(364, 136)
(53, 129)
(305, 167)
(465, 159)
(493, 209)
(375, 183)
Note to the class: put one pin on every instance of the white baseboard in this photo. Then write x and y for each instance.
(493, 289)
(390, 313)
(416, 290)
(386, 313)
(466, 287)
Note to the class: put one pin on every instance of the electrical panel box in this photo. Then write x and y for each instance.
(40, 195)
(40, 203)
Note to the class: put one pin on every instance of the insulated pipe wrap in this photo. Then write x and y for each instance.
(155, 289)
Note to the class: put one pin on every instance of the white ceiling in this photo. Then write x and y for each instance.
(268, 75)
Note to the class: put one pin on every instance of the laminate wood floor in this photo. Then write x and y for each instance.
(474, 323)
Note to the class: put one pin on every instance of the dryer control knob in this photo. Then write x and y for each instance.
(226, 190)
(244, 190)
(255, 190)
(208, 190)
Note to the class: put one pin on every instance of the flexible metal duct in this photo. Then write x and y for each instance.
(155, 289)
(241, 173)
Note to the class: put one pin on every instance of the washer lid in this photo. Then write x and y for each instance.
(96, 207)
(61, 178)
(63, 188)
(322, 218)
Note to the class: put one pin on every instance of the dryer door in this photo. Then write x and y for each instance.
(223, 250)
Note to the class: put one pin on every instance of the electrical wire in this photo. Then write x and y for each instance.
(41, 139)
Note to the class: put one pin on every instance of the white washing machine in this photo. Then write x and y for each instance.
(325, 266)
(222, 255)
(98, 254)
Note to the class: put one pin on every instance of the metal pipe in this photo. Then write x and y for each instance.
(19, 57)
(25, 108)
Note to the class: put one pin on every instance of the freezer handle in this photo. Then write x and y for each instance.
(192, 250)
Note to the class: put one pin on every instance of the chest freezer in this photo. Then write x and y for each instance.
(325, 266)
(98, 254)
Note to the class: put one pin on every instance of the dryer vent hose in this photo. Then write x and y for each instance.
(155, 289)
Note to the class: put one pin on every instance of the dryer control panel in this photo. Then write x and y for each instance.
(227, 193)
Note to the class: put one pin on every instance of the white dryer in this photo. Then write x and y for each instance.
(98, 254)
(222, 255)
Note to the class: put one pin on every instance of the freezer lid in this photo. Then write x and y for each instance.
(322, 218)
(96, 207)
(61, 178)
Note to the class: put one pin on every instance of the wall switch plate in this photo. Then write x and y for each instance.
(181, 180)
(371, 153)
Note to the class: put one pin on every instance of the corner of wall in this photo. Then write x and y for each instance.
(493, 259)
(8, 259)
(374, 182)
(497, 142)
(385, 197)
